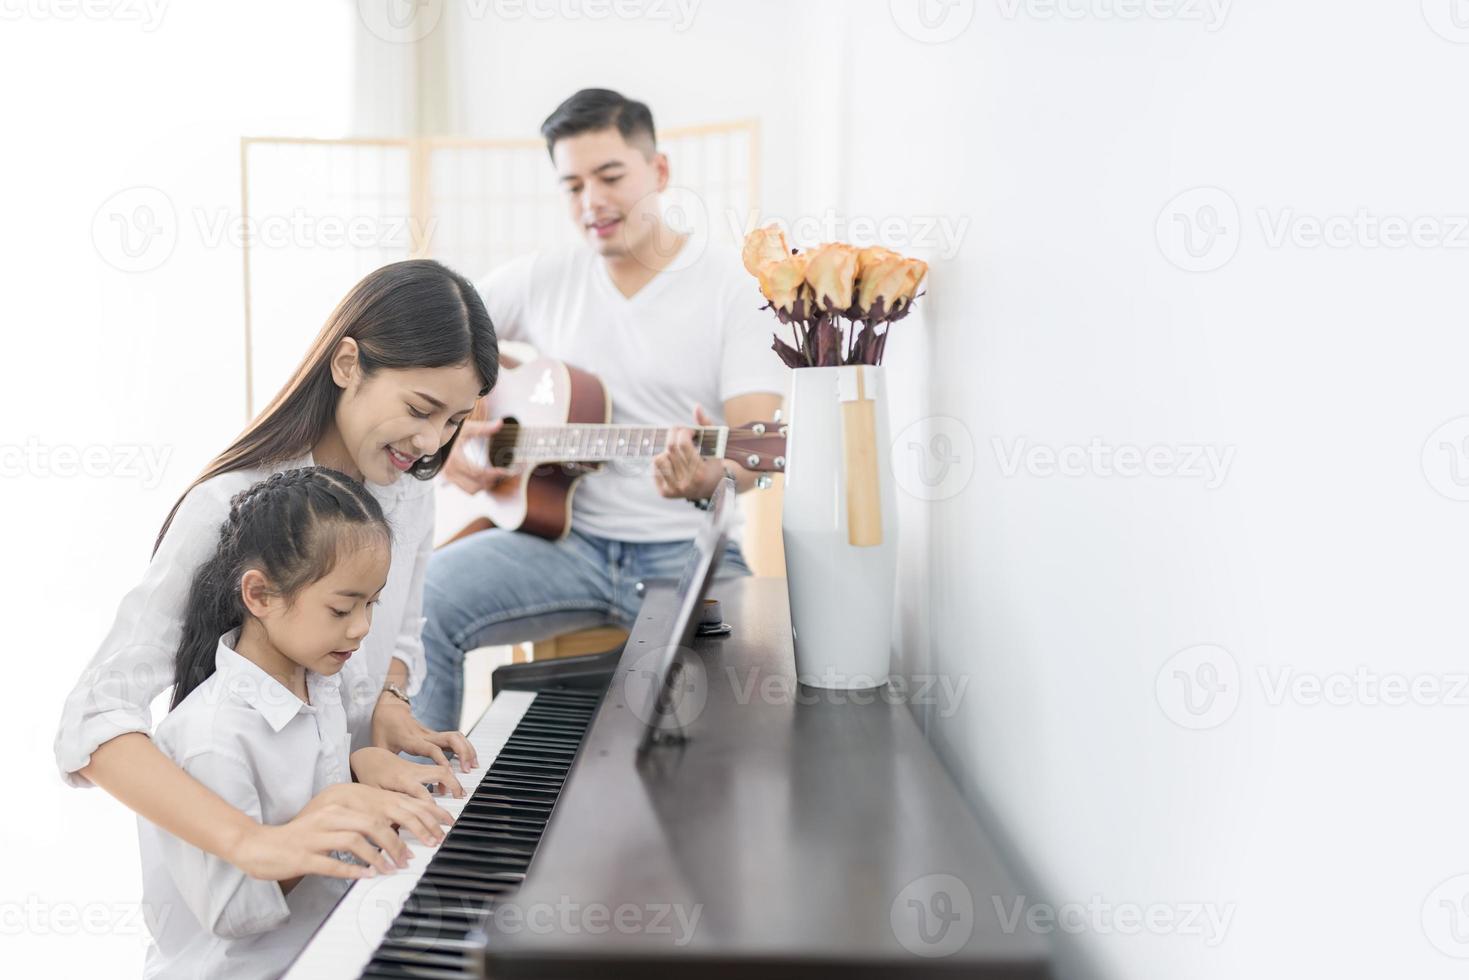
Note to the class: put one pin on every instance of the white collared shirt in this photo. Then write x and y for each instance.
(251, 740)
(135, 661)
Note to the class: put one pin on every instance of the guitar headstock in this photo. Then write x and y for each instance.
(758, 446)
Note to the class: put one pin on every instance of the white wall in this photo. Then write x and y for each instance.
(1321, 828)
(123, 375)
(709, 63)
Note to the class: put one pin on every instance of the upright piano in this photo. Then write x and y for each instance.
(790, 832)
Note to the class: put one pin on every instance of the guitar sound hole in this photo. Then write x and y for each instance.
(502, 446)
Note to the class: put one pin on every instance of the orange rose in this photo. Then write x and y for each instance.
(784, 282)
(831, 271)
(869, 257)
(764, 245)
(916, 269)
(894, 280)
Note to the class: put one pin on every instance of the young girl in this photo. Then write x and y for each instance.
(272, 619)
(380, 394)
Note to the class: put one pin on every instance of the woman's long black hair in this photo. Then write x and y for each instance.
(412, 314)
(292, 527)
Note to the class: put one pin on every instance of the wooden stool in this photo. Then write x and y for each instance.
(594, 639)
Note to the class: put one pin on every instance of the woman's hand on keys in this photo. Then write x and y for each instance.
(396, 729)
(314, 840)
(421, 819)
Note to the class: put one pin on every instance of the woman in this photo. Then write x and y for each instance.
(380, 395)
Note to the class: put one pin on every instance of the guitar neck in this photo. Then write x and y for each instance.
(589, 443)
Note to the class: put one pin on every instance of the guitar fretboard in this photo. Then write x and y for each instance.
(589, 443)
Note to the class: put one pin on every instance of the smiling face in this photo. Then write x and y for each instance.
(388, 422)
(612, 189)
(324, 623)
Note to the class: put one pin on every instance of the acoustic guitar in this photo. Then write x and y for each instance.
(558, 428)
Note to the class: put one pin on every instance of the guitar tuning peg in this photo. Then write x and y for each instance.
(780, 462)
(758, 428)
(763, 481)
(752, 461)
(779, 414)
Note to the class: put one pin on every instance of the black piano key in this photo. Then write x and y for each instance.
(404, 971)
(487, 852)
(467, 860)
(526, 814)
(445, 917)
(510, 829)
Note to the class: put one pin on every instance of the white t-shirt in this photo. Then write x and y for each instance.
(247, 737)
(695, 333)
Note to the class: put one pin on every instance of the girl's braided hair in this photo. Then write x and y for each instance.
(291, 527)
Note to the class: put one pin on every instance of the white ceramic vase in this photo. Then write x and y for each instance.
(839, 524)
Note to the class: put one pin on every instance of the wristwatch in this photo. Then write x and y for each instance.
(397, 692)
(703, 503)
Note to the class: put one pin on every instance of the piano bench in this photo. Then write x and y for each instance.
(594, 639)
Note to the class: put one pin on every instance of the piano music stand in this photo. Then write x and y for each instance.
(659, 707)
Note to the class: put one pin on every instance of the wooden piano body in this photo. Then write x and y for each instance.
(794, 832)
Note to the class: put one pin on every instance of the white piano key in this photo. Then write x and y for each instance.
(355, 928)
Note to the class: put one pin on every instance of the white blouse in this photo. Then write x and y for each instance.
(135, 662)
(260, 747)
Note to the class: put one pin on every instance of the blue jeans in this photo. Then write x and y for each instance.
(498, 587)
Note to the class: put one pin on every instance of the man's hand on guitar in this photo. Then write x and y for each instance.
(465, 467)
(679, 471)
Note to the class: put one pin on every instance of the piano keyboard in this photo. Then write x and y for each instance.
(417, 921)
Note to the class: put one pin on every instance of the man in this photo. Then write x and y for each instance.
(665, 331)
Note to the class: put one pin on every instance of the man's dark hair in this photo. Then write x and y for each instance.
(592, 109)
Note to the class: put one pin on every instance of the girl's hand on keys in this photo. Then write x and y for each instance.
(420, 819)
(379, 767)
(394, 728)
(305, 845)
